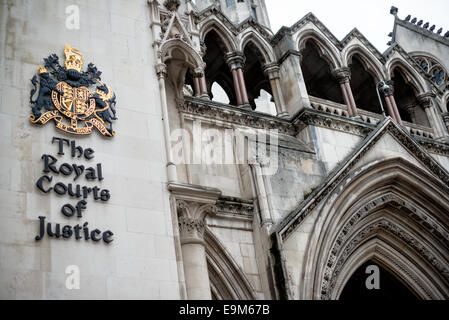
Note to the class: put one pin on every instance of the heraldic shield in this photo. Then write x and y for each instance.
(64, 96)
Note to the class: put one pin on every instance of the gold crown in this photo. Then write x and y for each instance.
(73, 58)
(42, 70)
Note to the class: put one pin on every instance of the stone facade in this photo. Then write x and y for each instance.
(229, 201)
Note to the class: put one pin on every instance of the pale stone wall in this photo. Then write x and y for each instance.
(237, 237)
(141, 262)
(414, 42)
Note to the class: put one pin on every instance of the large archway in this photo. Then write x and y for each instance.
(391, 212)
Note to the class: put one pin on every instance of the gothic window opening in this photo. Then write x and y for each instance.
(318, 76)
(434, 71)
(265, 103)
(217, 70)
(363, 87)
(255, 78)
(406, 100)
(219, 94)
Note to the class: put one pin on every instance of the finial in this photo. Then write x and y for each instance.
(414, 20)
(394, 11)
(408, 18)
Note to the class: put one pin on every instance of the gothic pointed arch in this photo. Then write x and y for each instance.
(407, 91)
(228, 282)
(264, 48)
(180, 57)
(363, 84)
(217, 70)
(390, 211)
(325, 47)
(411, 75)
(226, 36)
(318, 73)
(253, 70)
(370, 62)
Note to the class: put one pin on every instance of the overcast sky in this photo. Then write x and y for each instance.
(371, 17)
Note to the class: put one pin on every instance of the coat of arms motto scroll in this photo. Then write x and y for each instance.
(62, 94)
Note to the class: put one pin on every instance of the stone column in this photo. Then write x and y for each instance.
(199, 81)
(196, 85)
(193, 205)
(172, 174)
(235, 61)
(343, 76)
(426, 101)
(272, 72)
(392, 108)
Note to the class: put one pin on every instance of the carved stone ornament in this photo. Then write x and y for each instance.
(192, 220)
(172, 5)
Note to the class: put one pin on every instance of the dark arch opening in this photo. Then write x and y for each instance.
(217, 69)
(255, 78)
(390, 287)
(363, 87)
(408, 105)
(318, 76)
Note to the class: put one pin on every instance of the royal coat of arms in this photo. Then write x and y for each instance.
(64, 96)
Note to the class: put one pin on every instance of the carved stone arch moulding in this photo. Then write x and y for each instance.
(265, 48)
(378, 204)
(190, 56)
(356, 232)
(367, 59)
(226, 36)
(324, 48)
(410, 75)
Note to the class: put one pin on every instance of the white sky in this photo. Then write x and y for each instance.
(371, 17)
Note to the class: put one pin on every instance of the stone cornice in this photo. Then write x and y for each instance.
(234, 115)
(235, 207)
(336, 120)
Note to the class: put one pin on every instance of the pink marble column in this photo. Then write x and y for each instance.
(396, 110)
(390, 108)
(238, 93)
(203, 87)
(196, 84)
(346, 99)
(242, 84)
(351, 98)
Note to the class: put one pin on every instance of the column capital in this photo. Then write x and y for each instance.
(272, 70)
(426, 99)
(192, 220)
(193, 205)
(235, 60)
(387, 88)
(198, 73)
(161, 71)
(343, 75)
